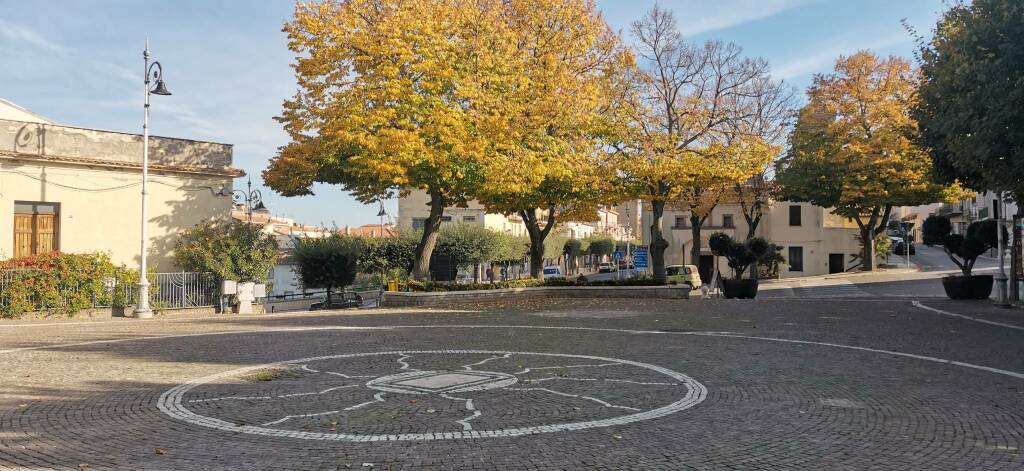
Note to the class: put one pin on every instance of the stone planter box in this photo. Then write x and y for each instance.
(402, 299)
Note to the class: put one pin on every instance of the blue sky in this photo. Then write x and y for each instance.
(80, 63)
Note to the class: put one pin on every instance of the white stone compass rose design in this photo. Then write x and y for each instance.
(432, 395)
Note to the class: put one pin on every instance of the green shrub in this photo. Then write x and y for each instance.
(327, 263)
(60, 282)
(963, 250)
(740, 255)
(380, 255)
(228, 249)
(430, 286)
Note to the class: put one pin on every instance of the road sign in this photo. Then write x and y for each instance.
(617, 255)
(640, 258)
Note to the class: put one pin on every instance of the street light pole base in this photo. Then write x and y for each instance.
(143, 313)
(1001, 298)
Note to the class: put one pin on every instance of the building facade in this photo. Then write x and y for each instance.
(815, 241)
(414, 208)
(78, 190)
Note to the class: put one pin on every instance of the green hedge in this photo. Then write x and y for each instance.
(431, 286)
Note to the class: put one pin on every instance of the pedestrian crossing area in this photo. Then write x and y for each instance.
(816, 288)
(826, 288)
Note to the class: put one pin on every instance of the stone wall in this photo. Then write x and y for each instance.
(48, 140)
(401, 299)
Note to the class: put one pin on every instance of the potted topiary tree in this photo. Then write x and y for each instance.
(740, 255)
(964, 251)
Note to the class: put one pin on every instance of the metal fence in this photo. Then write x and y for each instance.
(183, 290)
(167, 291)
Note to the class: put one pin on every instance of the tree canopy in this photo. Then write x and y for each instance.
(393, 96)
(328, 262)
(971, 106)
(685, 141)
(228, 249)
(854, 147)
(550, 161)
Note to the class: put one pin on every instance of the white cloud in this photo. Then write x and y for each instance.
(823, 60)
(698, 17)
(26, 35)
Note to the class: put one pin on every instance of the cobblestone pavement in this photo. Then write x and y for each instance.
(555, 384)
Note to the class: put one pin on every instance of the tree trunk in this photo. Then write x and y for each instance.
(696, 222)
(536, 257)
(537, 236)
(421, 268)
(878, 222)
(867, 248)
(658, 242)
(752, 223)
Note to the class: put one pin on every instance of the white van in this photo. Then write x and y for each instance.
(553, 271)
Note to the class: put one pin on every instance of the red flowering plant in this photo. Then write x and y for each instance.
(60, 282)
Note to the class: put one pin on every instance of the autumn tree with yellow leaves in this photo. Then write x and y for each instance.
(854, 147)
(392, 96)
(501, 101)
(550, 162)
(686, 144)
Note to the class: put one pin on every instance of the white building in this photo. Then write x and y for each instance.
(282, 276)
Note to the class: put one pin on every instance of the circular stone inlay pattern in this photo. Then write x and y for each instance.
(456, 394)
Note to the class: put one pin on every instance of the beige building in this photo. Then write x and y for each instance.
(814, 241)
(414, 209)
(78, 190)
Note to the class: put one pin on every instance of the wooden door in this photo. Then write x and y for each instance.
(34, 234)
(46, 233)
(23, 235)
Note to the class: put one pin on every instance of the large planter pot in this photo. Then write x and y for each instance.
(968, 287)
(739, 289)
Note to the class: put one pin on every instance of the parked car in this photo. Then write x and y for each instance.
(624, 265)
(683, 275)
(605, 268)
(553, 272)
(899, 247)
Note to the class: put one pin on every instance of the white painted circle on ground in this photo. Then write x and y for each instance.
(439, 382)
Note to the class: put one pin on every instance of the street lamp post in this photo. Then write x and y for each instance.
(382, 214)
(250, 197)
(155, 72)
(1001, 299)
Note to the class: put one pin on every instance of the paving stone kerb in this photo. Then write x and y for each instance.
(440, 298)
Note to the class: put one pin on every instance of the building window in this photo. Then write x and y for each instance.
(796, 259)
(794, 215)
(446, 219)
(468, 218)
(727, 221)
(36, 228)
(419, 223)
(681, 221)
